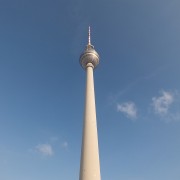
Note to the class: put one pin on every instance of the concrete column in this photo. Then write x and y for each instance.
(90, 166)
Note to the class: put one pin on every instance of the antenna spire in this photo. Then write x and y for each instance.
(89, 36)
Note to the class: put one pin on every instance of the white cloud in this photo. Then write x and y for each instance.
(162, 103)
(64, 144)
(45, 149)
(166, 105)
(128, 108)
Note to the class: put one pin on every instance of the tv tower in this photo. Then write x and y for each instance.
(90, 165)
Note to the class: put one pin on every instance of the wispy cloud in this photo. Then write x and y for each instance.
(45, 149)
(162, 103)
(163, 106)
(54, 139)
(114, 97)
(129, 109)
(64, 144)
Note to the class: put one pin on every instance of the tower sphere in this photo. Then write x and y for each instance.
(89, 56)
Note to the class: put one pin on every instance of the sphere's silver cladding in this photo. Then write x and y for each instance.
(89, 55)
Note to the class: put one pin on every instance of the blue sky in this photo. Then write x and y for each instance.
(42, 88)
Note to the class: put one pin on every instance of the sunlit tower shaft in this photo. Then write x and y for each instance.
(90, 165)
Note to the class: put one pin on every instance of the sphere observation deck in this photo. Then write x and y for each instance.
(89, 55)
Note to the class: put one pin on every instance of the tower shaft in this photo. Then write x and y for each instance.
(90, 166)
